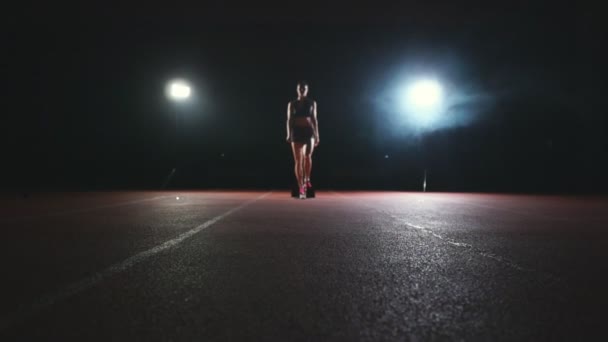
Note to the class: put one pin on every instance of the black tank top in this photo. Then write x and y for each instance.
(303, 108)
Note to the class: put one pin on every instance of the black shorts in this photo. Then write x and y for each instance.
(302, 134)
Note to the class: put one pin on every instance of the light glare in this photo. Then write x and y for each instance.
(424, 94)
(178, 90)
(422, 102)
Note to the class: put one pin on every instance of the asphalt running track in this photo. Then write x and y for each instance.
(347, 266)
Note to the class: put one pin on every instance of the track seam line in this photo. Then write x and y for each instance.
(470, 247)
(83, 284)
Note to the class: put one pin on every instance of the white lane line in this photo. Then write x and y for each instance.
(464, 245)
(79, 286)
(452, 242)
(84, 210)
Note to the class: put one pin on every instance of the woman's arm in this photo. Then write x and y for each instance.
(315, 123)
(289, 121)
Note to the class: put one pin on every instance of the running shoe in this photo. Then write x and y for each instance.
(303, 192)
(308, 184)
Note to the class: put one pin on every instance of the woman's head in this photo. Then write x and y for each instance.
(302, 88)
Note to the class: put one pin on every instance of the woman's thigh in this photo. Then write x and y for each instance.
(297, 149)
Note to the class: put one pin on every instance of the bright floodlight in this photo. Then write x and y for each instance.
(422, 102)
(178, 90)
(423, 95)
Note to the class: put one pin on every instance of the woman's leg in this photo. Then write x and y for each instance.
(309, 148)
(298, 153)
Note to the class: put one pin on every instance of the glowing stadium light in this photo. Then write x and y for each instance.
(425, 94)
(178, 90)
(422, 101)
(422, 95)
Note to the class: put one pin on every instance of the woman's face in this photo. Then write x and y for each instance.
(302, 90)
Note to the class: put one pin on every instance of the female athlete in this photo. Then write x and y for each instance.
(303, 134)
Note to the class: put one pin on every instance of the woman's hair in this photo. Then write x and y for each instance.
(303, 83)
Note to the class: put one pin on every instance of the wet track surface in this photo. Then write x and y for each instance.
(344, 266)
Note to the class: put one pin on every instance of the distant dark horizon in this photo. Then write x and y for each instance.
(85, 107)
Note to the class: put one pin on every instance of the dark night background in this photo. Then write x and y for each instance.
(84, 104)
